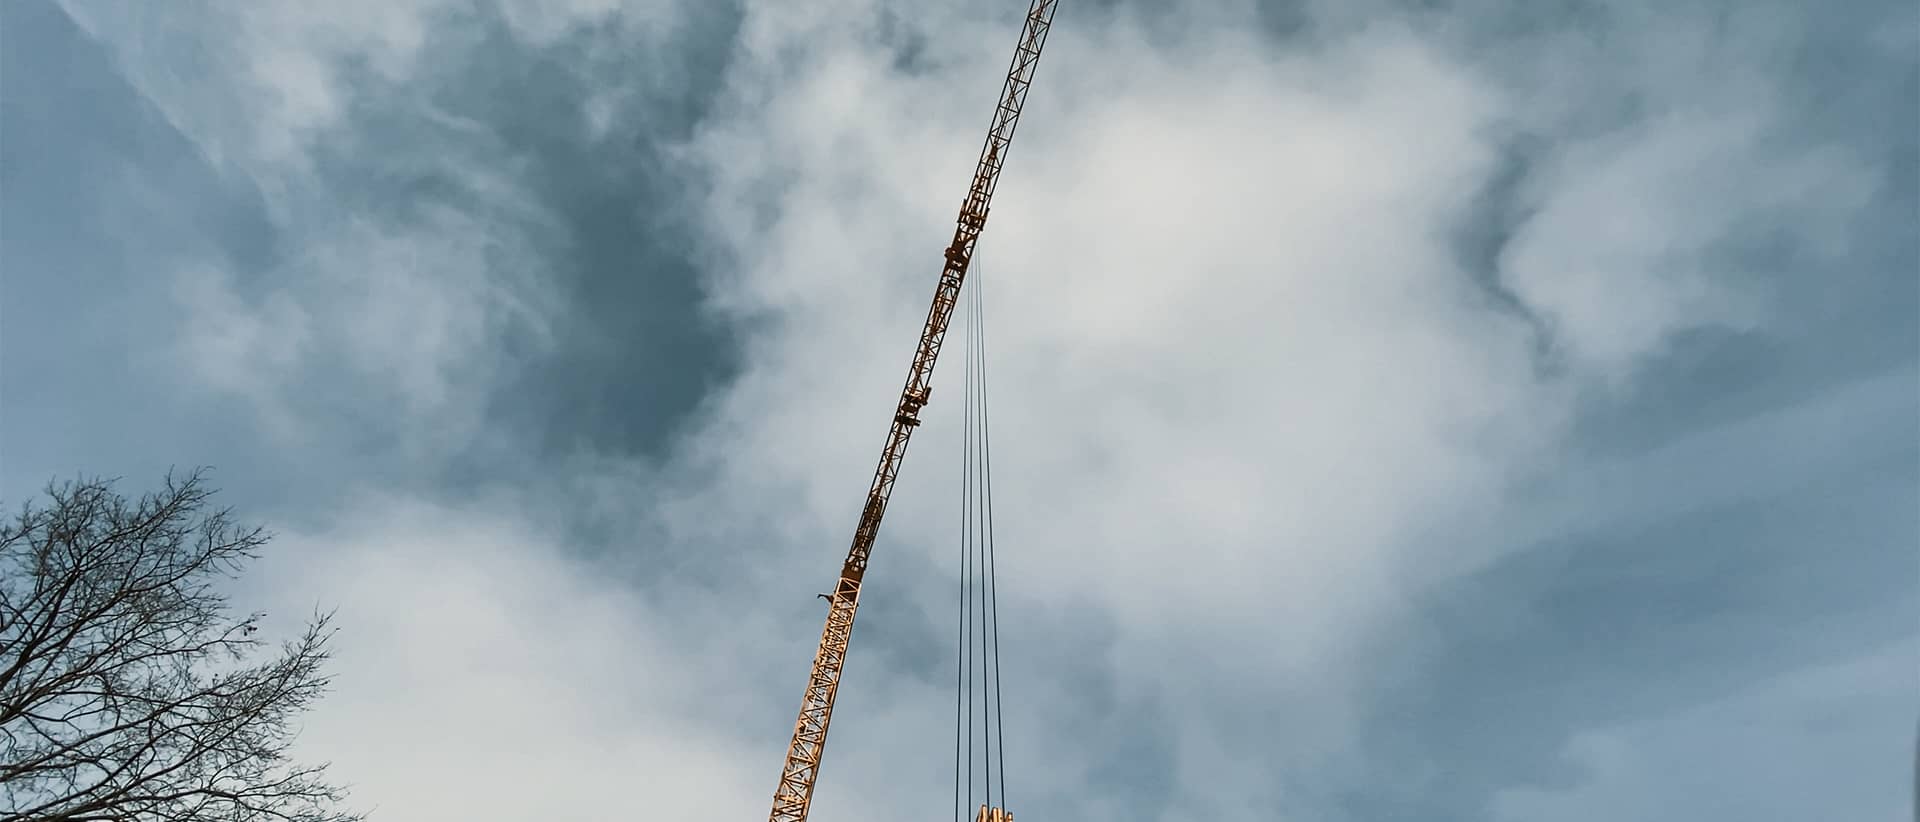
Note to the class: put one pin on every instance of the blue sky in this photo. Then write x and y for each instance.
(1478, 410)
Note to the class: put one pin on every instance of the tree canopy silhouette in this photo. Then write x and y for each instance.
(127, 690)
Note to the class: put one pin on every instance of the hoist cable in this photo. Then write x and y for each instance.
(993, 579)
(963, 667)
(981, 540)
(979, 737)
(963, 784)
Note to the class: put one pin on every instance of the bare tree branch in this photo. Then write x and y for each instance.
(127, 692)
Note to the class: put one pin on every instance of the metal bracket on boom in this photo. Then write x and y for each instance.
(910, 405)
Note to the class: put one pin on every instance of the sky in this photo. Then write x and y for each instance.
(1471, 410)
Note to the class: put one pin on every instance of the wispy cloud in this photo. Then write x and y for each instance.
(1675, 765)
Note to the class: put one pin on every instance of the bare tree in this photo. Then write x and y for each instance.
(127, 692)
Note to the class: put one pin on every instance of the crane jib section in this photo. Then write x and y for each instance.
(794, 796)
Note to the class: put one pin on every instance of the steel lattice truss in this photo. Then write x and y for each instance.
(794, 796)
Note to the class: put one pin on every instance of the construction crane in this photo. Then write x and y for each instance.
(794, 796)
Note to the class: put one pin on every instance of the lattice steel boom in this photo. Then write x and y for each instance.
(794, 796)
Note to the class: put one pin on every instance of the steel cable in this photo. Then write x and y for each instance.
(983, 741)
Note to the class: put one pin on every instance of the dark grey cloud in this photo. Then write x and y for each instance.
(105, 198)
(634, 352)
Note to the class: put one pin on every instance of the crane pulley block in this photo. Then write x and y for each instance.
(915, 399)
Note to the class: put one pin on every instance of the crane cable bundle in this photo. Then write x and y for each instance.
(977, 736)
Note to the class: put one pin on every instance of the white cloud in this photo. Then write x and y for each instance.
(481, 673)
(255, 85)
(1625, 245)
(1245, 397)
(400, 298)
(1246, 400)
(276, 68)
(395, 310)
(239, 347)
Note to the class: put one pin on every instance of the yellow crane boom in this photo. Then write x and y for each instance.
(794, 796)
